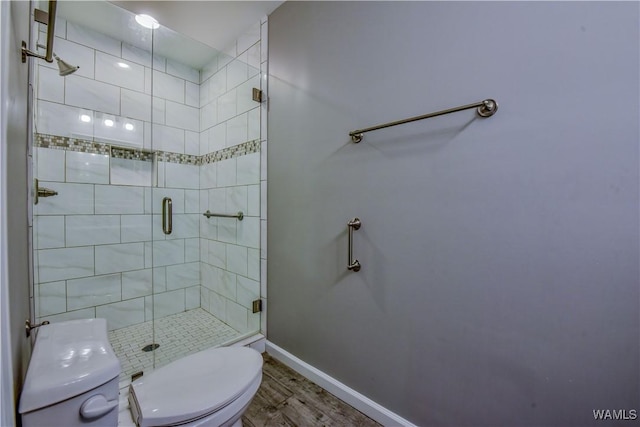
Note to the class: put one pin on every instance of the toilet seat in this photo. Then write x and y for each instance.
(196, 386)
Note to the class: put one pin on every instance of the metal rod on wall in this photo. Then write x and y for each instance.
(167, 215)
(486, 108)
(50, 17)
(239, 215)
(352, 264)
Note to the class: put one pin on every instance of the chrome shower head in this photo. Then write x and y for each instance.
(65, 68)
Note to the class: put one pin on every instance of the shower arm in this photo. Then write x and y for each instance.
(50, 20)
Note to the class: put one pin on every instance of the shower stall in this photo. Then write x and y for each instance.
(146, 164)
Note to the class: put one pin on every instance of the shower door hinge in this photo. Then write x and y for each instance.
(257, 95)
(137, 375)
(257, 306)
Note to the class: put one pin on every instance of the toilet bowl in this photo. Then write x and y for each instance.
(210, 388)
(72, 380)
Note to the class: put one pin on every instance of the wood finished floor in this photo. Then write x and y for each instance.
(286, 398)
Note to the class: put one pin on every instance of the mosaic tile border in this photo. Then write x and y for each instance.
(70, 144)
(231, 152)
(84, 146)
(183, 159)
(131, 154)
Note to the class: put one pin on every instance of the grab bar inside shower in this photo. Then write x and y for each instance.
(238, 215)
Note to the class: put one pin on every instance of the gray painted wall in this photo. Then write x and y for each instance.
(500, 256)
(14, 139)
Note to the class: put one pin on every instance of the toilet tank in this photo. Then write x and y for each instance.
(72, 378)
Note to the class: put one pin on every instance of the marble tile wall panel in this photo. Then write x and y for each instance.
(90, 230)
(137, 283)
(119, 72)
(51, 86)
(65, 263)
(131, 172)
(93, 291)
(120, 257)
(52, 298)
(135, 228)
(87, 168)
(50, 165)
(122, 314)
(72, 199)
(168, 303)
(183, 275)
(116, 199)
(48, 232)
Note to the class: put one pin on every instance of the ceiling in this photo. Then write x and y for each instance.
(192, 32)
(215, 23)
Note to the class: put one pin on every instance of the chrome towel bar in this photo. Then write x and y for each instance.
(239, 215)
(486, 108)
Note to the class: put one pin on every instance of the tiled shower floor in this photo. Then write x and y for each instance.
(179, 335)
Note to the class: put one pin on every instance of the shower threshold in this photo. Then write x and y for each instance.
(178, 335)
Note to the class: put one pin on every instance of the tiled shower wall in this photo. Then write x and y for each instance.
(103, 90)
(95, 253)
(230, 249)
(98, 251)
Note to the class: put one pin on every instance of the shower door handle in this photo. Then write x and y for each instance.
(167, 215)
(353, 264)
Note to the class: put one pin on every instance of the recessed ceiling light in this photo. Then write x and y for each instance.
(85, 118)
(128, 126)
(147, 21)
(108, 122)
(123, 65)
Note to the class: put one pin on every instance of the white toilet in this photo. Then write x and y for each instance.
(210, 388)
(72, 380)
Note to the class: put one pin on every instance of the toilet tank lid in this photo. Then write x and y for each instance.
(69, 358)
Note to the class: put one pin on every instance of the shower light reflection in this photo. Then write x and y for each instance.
(147, 21)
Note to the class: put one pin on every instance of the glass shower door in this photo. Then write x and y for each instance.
(175, 202)
(205, 132)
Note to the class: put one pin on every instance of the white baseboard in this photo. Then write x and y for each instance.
(335, 387)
